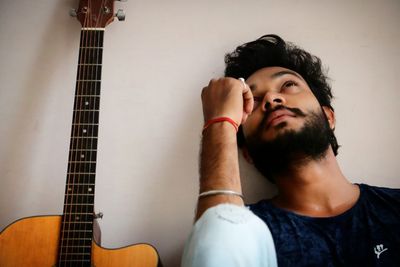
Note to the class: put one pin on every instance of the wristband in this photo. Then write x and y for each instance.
(221, 119)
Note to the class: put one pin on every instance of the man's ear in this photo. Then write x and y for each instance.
(246, 155)
(330, 115)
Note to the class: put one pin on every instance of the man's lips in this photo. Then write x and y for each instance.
(278, 116)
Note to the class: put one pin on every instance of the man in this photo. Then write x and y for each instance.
(286, 123)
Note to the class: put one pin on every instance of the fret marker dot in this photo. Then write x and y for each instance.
(84, 130)
(90, 189)
(69, 189)
(86, 103)
(82, 156)
(77, 218)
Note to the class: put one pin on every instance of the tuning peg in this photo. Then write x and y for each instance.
(73, 13)
(120, 15)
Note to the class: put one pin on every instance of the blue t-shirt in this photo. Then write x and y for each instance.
(368, 234)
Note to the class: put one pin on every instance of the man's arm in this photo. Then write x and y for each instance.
(219, 167)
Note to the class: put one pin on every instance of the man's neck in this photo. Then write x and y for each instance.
(316, 188)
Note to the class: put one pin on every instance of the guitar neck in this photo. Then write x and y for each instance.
(77, 223)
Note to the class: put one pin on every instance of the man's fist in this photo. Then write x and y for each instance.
(227, 97)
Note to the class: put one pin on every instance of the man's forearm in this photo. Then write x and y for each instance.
(219, 167)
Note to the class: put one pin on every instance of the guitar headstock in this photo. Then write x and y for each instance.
(96, 13)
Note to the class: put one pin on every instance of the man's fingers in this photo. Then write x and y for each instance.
(248, 100)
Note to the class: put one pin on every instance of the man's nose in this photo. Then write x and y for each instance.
(272, 100)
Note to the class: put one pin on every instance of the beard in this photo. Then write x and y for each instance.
(290, 148)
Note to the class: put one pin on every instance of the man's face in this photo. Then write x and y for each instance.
(273, 87)
(287, 123)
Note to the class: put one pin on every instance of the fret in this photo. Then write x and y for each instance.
(67, 262)
(89, 64)
(77, 204)
(76, 235)
(94, 124)
(81, 173)
(72, 250)
(83, 143)
(76, 154)
(85, 232)
(85, 137)
(78, 110)
(77, 246)
(90, 88)
(79, 223)
(80, 184)
(81, 214)
(94, 96)
(78, 217)
(77, 208)
(79, 188)
(87, 102)
(77, 239)
(74, 201)
(89, 72)
(81, 258)
(68, 250)
(77, 150)
(90, 47)
(80, 194)
(76, 253)
(82, 167)
(86, 117)
(92, 38)
(90, 55)
(82, 161)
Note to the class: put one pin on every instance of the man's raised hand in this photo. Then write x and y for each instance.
(227, 97)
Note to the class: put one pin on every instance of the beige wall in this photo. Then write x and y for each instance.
(155, 64)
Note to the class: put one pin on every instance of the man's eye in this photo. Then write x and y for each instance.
(289, 84)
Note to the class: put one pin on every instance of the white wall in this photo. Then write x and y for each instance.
(155, 64)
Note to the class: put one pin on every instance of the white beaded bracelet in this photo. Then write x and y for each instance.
(220, 192)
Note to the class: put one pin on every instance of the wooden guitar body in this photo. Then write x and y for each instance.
(34, 242)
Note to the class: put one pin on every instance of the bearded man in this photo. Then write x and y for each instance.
(275, 104)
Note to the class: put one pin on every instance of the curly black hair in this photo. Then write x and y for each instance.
(271, 50)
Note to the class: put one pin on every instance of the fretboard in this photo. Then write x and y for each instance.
(77, 221)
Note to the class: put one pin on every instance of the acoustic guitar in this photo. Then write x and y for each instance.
(68, 240)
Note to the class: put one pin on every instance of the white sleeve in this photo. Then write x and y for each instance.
(229, 235)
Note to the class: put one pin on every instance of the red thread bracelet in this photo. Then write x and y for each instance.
(221, 119)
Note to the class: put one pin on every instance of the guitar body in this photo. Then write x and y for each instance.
(34, 242)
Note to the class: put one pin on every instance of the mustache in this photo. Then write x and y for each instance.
(298, 112)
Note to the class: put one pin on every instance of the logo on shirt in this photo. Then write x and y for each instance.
(379, 249)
